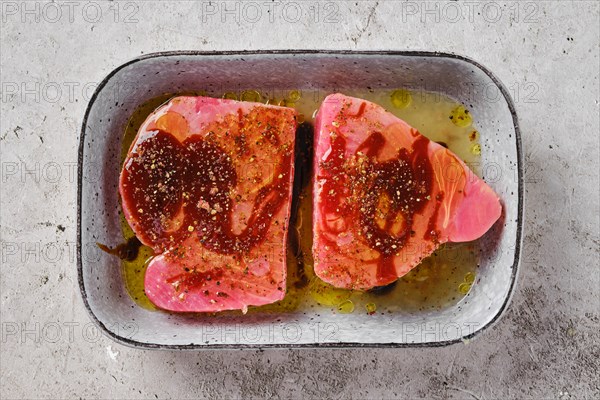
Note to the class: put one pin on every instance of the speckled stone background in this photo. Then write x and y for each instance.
(547, 53)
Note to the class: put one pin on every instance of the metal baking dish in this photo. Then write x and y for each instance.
(131, 84)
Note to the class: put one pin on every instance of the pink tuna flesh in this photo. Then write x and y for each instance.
(385, 196)
(207, 184)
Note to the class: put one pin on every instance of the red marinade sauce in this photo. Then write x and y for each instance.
(191, 181)
(382, 196)
(155, 175)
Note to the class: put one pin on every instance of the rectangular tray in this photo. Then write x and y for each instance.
(131, 84)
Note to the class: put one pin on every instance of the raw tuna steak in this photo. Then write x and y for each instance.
(385, 196)
(207, 184)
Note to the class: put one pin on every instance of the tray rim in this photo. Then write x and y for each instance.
(416, 53)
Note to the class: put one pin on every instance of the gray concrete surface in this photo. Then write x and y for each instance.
(546, 346)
